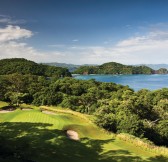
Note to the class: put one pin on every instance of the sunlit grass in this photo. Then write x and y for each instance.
(47, 141)
(3, 104)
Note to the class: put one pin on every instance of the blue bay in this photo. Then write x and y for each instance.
(137, 82)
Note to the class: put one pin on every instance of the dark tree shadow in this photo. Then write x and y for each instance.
(158, 158)
(120, 155)
(34, 142)
(9, 108)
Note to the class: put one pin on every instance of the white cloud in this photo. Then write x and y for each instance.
(11, 45)
(75, 40)
(4, 19)
(9, 21)
(150, 38)
(148, 48)
(13, 33)
(22, 50)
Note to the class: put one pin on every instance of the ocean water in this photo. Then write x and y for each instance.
(136, 82)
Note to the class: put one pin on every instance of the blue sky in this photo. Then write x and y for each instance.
(85, 31)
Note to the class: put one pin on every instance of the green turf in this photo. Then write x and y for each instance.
(3, 104)
(34, 136)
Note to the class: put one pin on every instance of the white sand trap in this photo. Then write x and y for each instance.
(26, 109)
(5, 111)
(72, 135)
(48, 112)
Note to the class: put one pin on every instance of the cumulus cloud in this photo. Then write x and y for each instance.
(150, 38)
(9, 42)
(22, 50)
(11, 45)
(151, 47)
(13, 33)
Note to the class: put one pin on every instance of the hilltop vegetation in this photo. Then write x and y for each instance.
(23, 66)
(116, 68)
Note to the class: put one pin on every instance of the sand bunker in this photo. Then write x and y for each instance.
(72, 135)
(5, 111)
(48, 112)
(26, 109)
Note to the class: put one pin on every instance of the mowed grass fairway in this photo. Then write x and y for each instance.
(2, 104)
(37, 137)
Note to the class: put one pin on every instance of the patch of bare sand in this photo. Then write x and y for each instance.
(27, 109)
(5, 111)
(48, 112)
(72, 135)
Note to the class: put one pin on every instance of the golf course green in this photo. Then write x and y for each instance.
(33, 135)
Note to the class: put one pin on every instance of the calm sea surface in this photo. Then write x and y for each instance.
(137, 82)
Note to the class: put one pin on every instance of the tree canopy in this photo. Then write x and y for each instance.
(23, 66)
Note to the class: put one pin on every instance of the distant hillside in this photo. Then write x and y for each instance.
(70, 67)
(23, 66)
(155, 66)
(117, 68)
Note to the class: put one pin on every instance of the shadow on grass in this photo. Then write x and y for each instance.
(34, 142)
(9, 108)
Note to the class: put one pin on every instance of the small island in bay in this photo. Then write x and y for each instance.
(117, 68)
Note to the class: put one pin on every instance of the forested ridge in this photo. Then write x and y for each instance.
(23, 66)
(117, 68)
(115, 107)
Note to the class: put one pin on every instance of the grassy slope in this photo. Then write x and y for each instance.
(42, 138)
(3, 104)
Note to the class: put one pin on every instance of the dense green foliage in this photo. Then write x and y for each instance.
(144, 114)
(117, 108)
(114, 68)
(23, 66)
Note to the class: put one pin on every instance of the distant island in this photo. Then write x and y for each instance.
(117, 68)
(154, 66)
